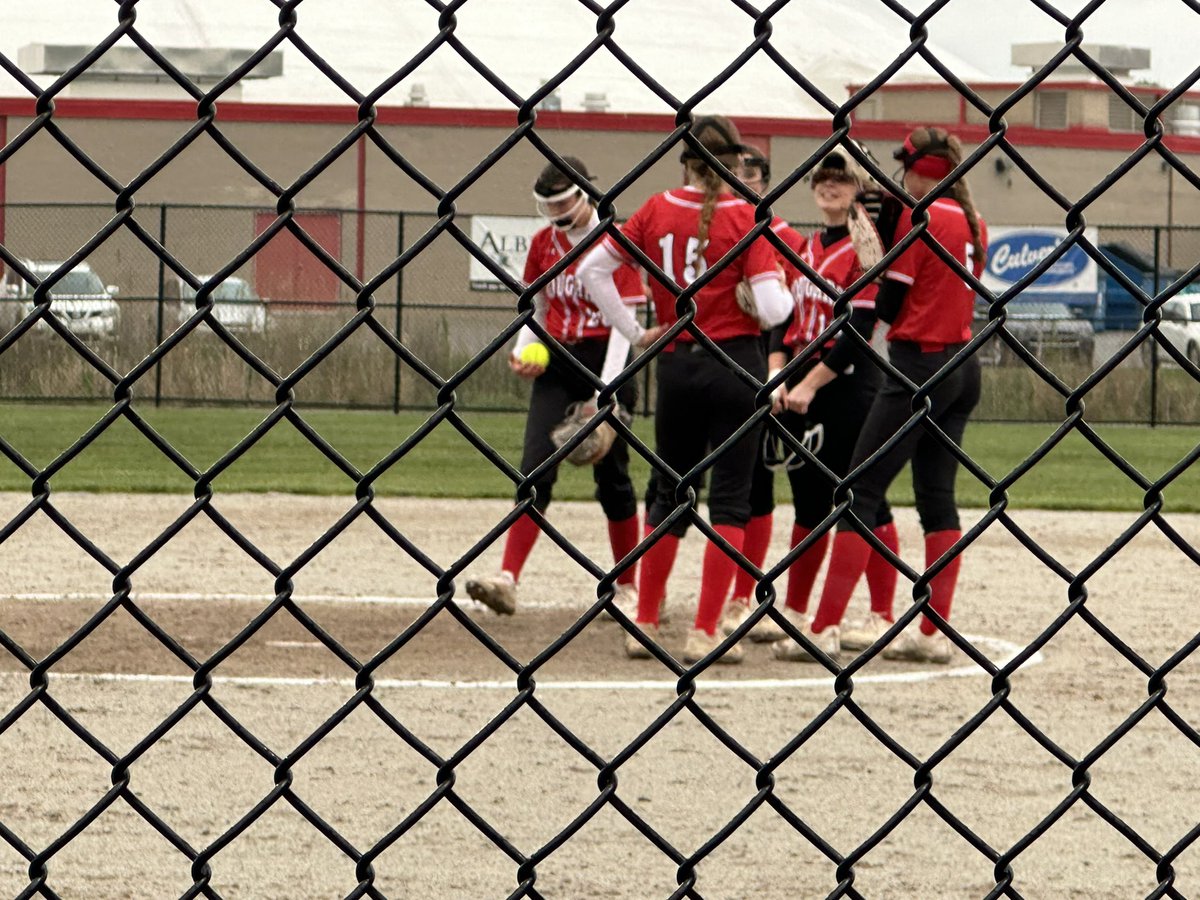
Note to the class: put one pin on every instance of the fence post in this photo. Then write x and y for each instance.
(1154, 343)
(399, 308)
(162, 284)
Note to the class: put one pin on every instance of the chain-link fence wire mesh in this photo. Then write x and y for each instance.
(125, 381)
(282, 313)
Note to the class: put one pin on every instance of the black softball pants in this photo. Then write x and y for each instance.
(700, 404)
(553, 391)
(839, 410)
(934, 467)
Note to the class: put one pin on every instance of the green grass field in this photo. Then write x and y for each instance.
(1074, 475)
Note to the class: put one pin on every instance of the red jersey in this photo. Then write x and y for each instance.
(794, 239)
(938, 306)
(838, 264)
(666, 229)
(570, 315)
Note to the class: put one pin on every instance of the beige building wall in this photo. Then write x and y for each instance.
(1019, 114)
(43, 173)
(918, 106)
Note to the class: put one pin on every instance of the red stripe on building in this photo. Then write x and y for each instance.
(817, 129)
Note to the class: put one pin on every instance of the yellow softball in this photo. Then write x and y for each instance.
(536, 354)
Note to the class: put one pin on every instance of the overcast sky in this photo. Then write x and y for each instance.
(682, 43)
(982, 31)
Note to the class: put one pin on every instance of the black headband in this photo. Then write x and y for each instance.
(729, 148)
(756, 160)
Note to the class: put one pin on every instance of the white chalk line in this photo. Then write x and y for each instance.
(184, 597)
(1006, 650)
(650, 684)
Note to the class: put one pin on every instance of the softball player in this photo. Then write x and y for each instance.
(828, 398)
(929, 307)
(563, 309)
(756, 175)
(700, 403)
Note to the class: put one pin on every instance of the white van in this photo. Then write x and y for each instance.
(80, 299)
(235, 305)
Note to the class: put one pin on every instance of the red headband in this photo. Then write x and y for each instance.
(923, 162)
(937, 167)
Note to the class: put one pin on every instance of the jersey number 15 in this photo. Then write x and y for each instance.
(694, 265)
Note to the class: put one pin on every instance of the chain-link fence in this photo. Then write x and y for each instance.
(381, 313)
(282, 303)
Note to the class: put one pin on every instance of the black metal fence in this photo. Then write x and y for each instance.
(406, 325)
(439, 308)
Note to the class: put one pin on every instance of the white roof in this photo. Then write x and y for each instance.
(681, 43)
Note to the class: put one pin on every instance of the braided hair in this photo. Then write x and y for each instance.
(719, 136)
(940, 143)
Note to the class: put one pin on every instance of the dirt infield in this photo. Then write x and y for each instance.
(201, 588)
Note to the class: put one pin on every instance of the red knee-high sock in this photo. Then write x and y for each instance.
(802, 574)
(881, 574)
(623, 537)
(654, 570)
(521, 537)
(942, 586)
(715, 577)
(754, 548)
(846, 565)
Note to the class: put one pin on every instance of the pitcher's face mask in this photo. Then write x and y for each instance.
(562, 209)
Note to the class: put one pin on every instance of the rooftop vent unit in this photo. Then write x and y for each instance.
(1120, 60)
(417, 95)
(595, 101)
(127, 71)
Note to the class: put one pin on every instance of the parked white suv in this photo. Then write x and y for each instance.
(235, 305)
(80, 299)
(1180, 326)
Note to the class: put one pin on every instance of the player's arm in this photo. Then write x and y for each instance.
(633, 295)
(843, 356)
(900, 274)
(890, 299)
(526, 338)
(776, 360)
(596, 271)
(772, 300)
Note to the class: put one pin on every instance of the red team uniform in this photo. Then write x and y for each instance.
(700, 402)
(838, 264)
(939, 304)
(837, 411)
(930, 326)
(571, 319)
(570, 316)
(665, 229)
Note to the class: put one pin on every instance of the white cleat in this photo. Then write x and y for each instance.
(700, 643)
(765, 630)
(791, 650)
(498, 593)
(866, 632)
(625, 598)
(913, 645)
(634, 648)
(664, 612)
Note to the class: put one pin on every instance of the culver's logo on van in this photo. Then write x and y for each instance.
(1015, 252)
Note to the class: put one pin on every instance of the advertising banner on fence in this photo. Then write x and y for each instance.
(504, 239)
(1014, 252)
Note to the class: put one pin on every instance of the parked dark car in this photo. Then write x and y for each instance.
(1119, 309)
(1048, 329)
